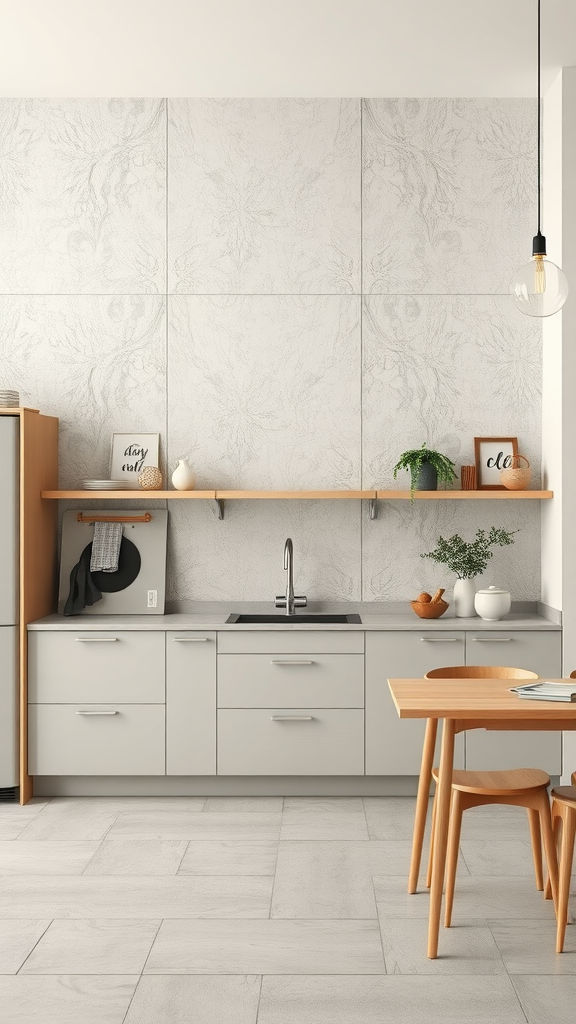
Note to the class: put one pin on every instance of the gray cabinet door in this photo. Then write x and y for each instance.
(291, 741)
(394, 746)
(534, 650)
(191, 703)
(286, 680)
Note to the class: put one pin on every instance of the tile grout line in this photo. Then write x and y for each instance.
(259, 998)
(27, 957)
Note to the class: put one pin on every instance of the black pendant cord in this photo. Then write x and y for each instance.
(539, 242)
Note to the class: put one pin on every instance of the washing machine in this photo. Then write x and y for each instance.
(139, 585)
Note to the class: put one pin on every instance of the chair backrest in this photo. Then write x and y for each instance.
(573, 674)
(480, 672)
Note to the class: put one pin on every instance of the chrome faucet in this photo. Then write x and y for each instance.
(289, 601)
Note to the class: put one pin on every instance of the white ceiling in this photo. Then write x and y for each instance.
(280, 47)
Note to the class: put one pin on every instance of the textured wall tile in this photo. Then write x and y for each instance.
(264, 196)
(96, 362)
(264, 391)
(449, 193)
(82, 202)
(240, 558)
(444, 370)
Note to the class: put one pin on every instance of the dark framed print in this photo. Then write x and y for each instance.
(493, 454)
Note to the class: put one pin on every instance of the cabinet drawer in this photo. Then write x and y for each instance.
(291, 741)
(96, 666)
(291, 641)
(84, 739)
(283, 680)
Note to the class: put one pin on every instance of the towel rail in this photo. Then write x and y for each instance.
(81, 518)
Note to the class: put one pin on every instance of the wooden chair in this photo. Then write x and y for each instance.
(564, 827)
(524, 787)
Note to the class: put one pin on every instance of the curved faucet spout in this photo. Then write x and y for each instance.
(289, 601)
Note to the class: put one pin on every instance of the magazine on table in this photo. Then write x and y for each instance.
(565, 692)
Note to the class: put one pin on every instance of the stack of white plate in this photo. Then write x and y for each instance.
(104, 485)
(9, 399)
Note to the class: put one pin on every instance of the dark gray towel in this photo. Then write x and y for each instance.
(83, 590)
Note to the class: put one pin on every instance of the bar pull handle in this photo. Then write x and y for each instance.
(492, 639)
(190, 639)
(290, 661)
(96, 639)
(96, 712)
(440, 640)
(291, 718)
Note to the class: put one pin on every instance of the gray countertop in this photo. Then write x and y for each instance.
(375, 616)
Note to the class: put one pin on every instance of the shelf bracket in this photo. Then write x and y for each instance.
(373, 508)
(218, 508)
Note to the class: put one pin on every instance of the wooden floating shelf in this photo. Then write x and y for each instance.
(297, 495)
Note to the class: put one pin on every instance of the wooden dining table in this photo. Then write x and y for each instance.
(487, 704)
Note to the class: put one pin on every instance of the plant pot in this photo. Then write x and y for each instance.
(464, 594)
(425, 478)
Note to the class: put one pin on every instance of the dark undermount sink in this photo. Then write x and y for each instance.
(291, 620)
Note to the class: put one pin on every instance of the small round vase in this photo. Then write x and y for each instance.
(425, 478)
(184, 477)
(464, 594)
(493, 603)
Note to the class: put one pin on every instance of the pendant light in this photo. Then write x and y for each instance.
(539, 288)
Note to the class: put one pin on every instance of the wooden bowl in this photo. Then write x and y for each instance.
(429, 609)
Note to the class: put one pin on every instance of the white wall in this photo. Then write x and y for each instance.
(292, 292)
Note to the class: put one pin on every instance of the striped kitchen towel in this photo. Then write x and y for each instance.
(106, 547)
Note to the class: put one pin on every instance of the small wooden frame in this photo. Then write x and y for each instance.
(503, 450)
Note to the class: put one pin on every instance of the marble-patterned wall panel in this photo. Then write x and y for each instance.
(264, 196)
(82, 195)
(241, 557)
(448, 193)
(442, 370)
(392, 545)
(96, 362)
(264, 391)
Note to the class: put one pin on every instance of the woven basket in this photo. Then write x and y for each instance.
(429, 609)
(516, 477)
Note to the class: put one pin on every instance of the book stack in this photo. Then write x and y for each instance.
(565, 692)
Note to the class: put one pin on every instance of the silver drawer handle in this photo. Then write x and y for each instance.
(96, 639)
(288, 661)
(492, 639)
(440, 640)
(190, 639)
(96, 712)
(291, 718)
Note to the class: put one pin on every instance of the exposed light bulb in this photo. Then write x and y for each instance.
(539, 288)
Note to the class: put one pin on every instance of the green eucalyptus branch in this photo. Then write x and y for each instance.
(469, 559)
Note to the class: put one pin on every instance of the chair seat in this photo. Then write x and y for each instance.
(566, 794)
(512, 782)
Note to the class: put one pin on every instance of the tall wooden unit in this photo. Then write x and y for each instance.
(34, 560)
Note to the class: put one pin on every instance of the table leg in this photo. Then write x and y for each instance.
(441, 833)
(422, 802)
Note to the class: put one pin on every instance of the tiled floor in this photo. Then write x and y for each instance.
(266, 911)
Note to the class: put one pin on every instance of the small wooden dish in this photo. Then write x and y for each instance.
(429, 609)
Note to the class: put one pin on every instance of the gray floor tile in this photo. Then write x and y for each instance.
(182, 999)
(498, 856)
(388, 1000)
(144, 897)
(26, 999)
(547, 1000)
(137, 857)
(250, 804)
(476, 896)
(17, 940)
(528, 947)
(229, 827)
(273, 947)
(94, 946)
(495, 822)
(11, 829)
(206, 858)
(91, 817)
(45, 858)
(392, 817)
(323, 818)
(466, 949)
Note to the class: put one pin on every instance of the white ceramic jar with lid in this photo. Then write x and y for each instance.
(493, 603)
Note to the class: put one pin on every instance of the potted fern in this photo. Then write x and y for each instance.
(426, 469)
(468, 559)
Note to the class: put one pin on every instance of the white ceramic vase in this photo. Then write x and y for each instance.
(493, 603)
(184, 477)
(464, 594)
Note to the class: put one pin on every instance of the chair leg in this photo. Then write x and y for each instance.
(452, 853)
(543, 803)
(536, 839)
(566, 856)
(556, 826)
(431, 852)
(422, 802)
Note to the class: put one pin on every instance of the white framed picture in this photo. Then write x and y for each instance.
(129, 454)
(493, 454)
